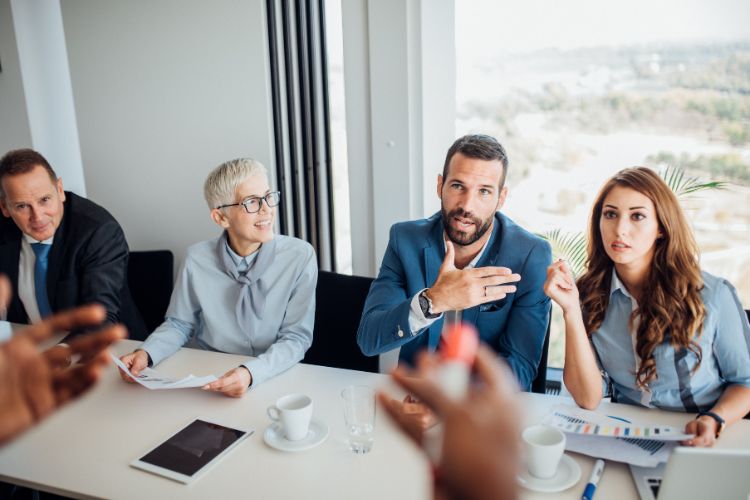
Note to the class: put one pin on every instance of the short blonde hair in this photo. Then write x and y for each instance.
(222, 182)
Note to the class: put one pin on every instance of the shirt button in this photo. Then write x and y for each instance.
(400, 332)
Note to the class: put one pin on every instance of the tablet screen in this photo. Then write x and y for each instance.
(193, 447)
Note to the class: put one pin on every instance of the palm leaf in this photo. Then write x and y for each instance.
(570, 247)
(683, 185)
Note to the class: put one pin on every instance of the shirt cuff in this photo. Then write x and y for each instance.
(6, 331)
(259, 370)
(150, 362)
(417, 320)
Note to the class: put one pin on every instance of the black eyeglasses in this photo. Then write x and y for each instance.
(253, 203)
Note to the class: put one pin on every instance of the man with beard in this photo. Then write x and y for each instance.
(469, 258)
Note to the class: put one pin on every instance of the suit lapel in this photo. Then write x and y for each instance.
(55, 257)
(10, 251)
(433, 255)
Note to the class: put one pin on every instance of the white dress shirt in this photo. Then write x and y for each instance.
(26, 288)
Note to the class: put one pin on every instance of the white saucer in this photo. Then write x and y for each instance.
(568, 474)
(317, 433)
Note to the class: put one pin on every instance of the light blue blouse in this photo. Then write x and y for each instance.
(725, 344)
(203, 308)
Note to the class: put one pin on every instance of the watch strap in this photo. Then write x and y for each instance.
(720, 421)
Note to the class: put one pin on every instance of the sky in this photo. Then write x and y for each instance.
(484, 27)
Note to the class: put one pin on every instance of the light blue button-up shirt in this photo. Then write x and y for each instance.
(203, 308)
(725, 344)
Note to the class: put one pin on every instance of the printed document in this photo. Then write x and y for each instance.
(151, 379)
(614, 438)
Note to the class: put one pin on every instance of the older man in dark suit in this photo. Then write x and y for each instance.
(58, 249)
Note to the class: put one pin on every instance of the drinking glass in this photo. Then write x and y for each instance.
(359, 414)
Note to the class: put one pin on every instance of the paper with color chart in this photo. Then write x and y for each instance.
(614, 438)
(574, 420)
(151, 379)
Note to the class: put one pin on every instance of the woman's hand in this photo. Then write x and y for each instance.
(233, 383)
(135, 361)
(561, 286)
(704, 429)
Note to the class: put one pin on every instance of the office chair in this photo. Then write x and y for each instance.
(539, 384)
(151, 278)
(339, 301)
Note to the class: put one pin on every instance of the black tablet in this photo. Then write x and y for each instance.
(191, 451)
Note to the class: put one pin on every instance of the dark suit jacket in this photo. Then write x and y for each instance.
(88, 263)
(514, 326)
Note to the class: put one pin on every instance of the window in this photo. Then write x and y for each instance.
(578, 90)
(337, 113)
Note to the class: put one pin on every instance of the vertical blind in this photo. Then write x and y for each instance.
(302, 144)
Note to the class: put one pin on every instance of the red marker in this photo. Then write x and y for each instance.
(458, 349)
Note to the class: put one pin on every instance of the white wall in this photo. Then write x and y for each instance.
(358, 133)
(14, 120)
(46, 82)
(165, 91)
(437, 93)
(399, 68)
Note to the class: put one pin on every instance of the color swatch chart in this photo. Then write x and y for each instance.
(611, 427)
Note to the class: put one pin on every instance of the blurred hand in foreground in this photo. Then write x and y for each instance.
(30, 387)
(480, 450)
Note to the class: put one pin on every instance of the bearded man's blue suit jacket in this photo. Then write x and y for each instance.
(515, 327)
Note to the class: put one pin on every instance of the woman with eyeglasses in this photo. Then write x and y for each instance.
(645, 316)
(246, 292)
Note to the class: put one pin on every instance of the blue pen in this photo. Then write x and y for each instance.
(596, 475)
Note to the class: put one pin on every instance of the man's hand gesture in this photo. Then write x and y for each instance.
(458, 289)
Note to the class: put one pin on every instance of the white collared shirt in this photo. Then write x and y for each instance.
(682, 384)
(26, 288)
(617, 284)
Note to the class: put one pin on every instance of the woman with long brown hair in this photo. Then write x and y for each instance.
(665, 334)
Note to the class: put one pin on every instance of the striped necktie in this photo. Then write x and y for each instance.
(41, 250)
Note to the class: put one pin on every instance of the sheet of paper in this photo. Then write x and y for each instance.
(582, 436)
(152, 379)
(574, 420)
(640, 452)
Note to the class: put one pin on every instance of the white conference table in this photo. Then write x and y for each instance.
(84, 450)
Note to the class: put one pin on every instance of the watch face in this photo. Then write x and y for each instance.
(424, 304)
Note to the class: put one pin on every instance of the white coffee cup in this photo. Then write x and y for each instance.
(544, 448)
(294, 412)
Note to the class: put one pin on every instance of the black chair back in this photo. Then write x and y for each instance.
(539, 384)
(150, 278)
(339, 301)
